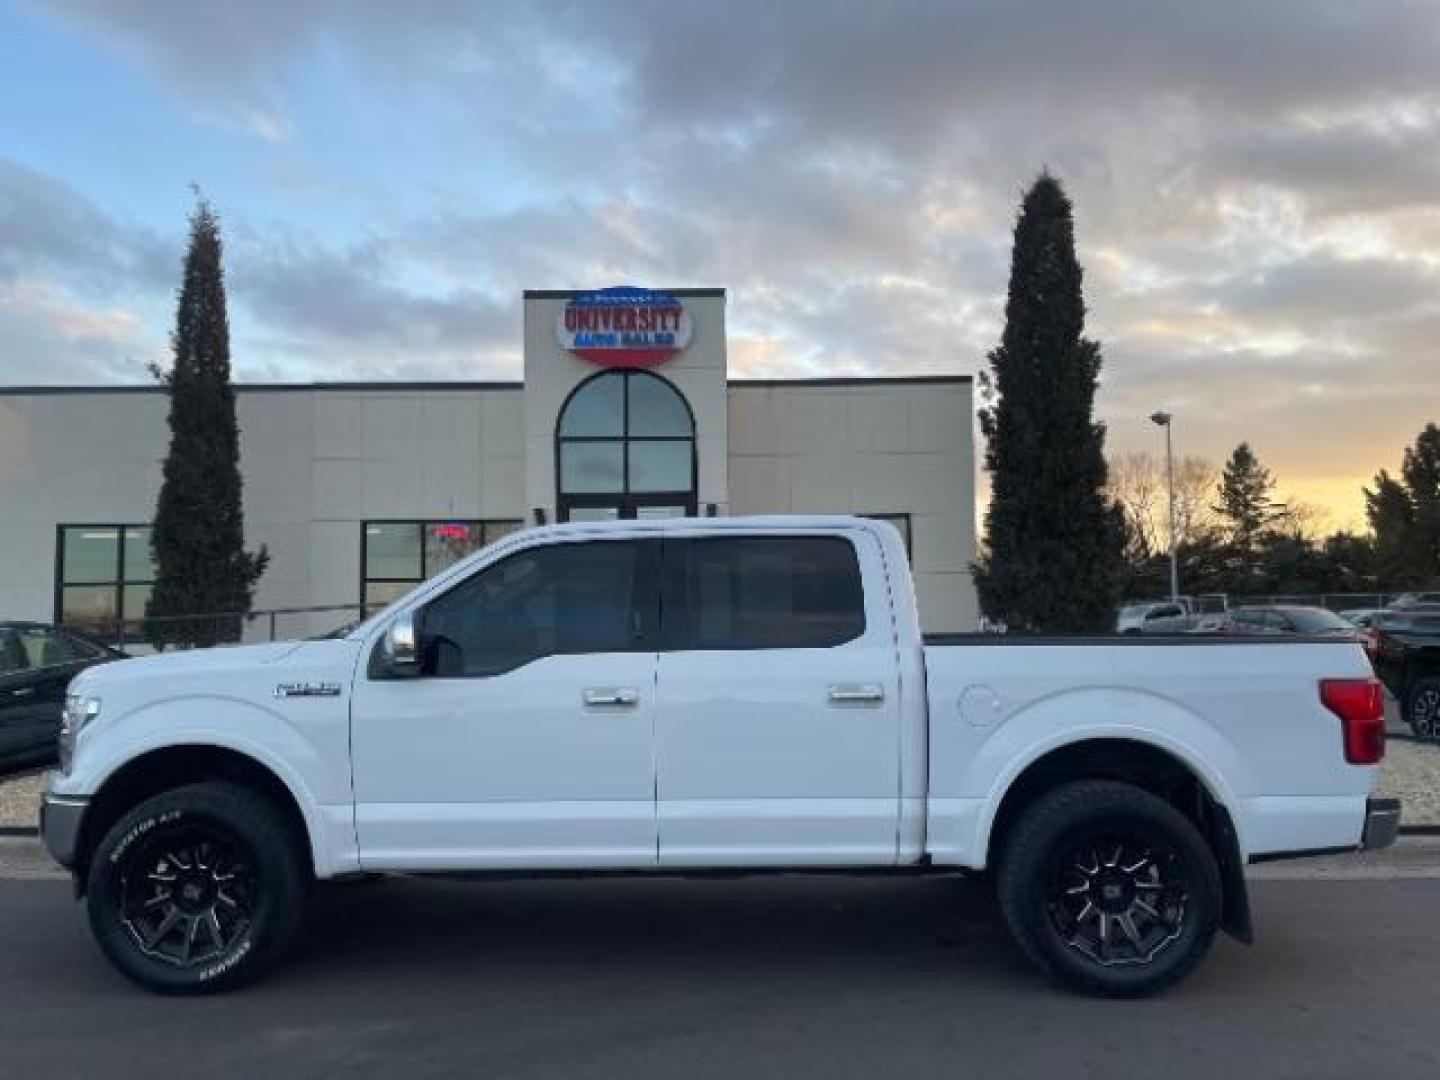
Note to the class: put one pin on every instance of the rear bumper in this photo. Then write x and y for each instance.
(1382, 823)
(60, 818)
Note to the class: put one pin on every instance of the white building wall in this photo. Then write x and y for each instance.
(874, 447)
(316, 463)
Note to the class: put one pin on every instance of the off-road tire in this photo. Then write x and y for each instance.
(1095, 815)
(254, 852)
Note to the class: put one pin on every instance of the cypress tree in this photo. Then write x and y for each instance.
(201, 566)
(1054, 540)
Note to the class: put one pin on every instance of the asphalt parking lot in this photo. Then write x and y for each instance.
(775, 977)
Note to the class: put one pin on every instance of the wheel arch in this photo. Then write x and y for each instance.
(1163, 771)
(164, 768)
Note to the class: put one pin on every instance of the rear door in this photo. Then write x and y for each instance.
(777, 739)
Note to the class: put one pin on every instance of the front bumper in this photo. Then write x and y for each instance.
(60, 820)
(1382, 823)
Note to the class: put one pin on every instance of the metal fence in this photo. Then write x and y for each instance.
(271, 624)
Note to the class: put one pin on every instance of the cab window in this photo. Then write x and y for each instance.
(556, 599)
(762, 592)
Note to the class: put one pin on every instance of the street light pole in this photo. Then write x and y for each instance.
(1163, 419)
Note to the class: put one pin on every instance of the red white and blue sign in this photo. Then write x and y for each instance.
(624, 327)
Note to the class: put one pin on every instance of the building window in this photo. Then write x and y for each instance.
(901, 522)
(395, 556)
(103, 579)
(625, 448)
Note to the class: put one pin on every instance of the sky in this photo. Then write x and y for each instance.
(1256, 189)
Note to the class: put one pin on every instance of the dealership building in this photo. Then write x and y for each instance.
(359, 490)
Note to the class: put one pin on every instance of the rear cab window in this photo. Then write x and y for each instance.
(762, 592)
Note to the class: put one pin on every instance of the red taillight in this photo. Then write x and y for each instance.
(1361, 708)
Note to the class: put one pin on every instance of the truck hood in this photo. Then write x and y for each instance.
(221, 656)
(224, 658)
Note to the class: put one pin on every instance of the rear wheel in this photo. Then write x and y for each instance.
(1109, 888)
(1422, 708)
(198, 889)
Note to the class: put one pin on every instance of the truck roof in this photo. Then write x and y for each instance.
(708, 524)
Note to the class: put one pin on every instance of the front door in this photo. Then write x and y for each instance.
(777, 735)
(526, 741)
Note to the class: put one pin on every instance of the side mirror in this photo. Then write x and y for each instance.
(402, 646)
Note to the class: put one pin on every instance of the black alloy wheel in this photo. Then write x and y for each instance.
(187, 897)
(198, 889)
(1422, 709)
(1118, 898)
(1109, 888)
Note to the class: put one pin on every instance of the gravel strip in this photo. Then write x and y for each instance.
(1411, 771)
(20, 800)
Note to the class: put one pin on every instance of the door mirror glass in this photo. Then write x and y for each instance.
(402, 646)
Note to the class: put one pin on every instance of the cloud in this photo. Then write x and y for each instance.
(1257, 188)
(46, 225)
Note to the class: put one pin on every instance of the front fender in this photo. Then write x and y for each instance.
(266, 736)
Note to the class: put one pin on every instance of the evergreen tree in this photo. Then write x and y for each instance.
(1404, 515)
(1053, 560)
(1246, 504)
(201, 566)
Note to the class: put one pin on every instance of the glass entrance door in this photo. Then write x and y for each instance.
(625, 448)
(627, 507)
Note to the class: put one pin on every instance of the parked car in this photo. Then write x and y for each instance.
(37, 663)
(1150, 616)
(1407, 660)
(1361, 617)
(703, 694)
(1415, 599)
(1294, 619)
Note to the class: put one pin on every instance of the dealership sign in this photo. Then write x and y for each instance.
(624, 327)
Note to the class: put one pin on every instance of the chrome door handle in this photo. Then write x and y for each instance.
(24, 691)
(856, 694)
(612, 695)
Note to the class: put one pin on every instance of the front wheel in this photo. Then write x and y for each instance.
(198, 889)
(1109, 888)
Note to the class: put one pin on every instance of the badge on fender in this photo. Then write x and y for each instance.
(308, 689)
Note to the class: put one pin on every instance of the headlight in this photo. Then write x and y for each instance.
(80, 709)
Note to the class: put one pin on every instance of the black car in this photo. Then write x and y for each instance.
(1406, 655)
(37, 663)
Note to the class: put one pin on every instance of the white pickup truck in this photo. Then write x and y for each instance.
(679, 696)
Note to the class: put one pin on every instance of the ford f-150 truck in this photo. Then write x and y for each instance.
(679, 696)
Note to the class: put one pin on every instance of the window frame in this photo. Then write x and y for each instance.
(907, 532)
(676, 624)
(366, 609)
(625, 499)
(644, 600)
(130, 627)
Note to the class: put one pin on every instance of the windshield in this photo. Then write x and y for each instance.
(1317, 620)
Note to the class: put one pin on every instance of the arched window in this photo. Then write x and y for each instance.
(625, 448)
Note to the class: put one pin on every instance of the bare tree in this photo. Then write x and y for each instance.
(1138, 483)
